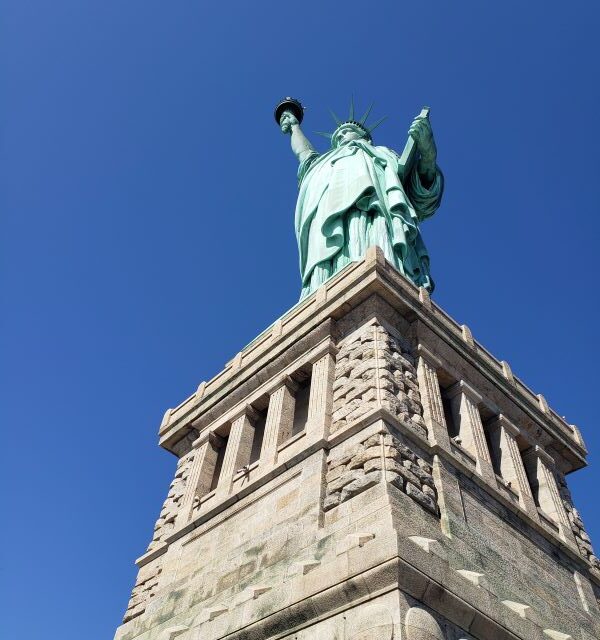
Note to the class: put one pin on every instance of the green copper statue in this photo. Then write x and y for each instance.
(357, 194)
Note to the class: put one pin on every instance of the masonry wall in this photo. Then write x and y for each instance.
(373, 521)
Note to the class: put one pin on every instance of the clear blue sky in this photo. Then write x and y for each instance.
(147, 201)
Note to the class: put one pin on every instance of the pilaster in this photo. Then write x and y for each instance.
(320, 402)
(239, 448)
(465, 408)
(431, 398)
(513, 463)
(544, 465)
(201, 473)
(280, 420)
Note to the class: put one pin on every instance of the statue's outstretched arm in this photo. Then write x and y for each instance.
(300, 143)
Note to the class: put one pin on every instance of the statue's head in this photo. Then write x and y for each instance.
(349, 131)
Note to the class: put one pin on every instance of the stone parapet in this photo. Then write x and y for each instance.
(349, 287)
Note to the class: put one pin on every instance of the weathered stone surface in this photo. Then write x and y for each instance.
(421, 474)
(364, 455)
(407, 474)
(373, 622)
(424, 500)
(421, 625)
(581, 537)
(425, 466)
(376, 464)
(335, 473)
(428, 491)
(303, 547)
(375, 369)
(377, 453)
(396, 479)
(362, 483)
(346, 478)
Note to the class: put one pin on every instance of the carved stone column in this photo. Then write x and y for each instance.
(512, 468)
(239, 448)
(431, 398)
(548, 495)
(280, 420)
(320, 403)
(465, 409)
(206, 449)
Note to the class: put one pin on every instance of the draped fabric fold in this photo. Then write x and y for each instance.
(351, 198)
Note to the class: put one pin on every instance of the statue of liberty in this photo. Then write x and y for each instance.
(357, 195)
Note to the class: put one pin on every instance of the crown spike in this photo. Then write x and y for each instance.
(363, 120)
(374, 126)
(325, 135)
(337, 121)
(351, 116)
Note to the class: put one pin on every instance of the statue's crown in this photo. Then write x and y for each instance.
(356, 124)
(360, 124)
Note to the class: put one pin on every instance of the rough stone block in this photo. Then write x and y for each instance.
(423, 476)
(406, 452)
(362, 367)
(331, 501)
(346, 409)
(425, 466)
(358, 412)
(359, 485)
(364, 456)
(396, 479)
(363, 391)
(339, 460)
(335, 473)
(345, 479)
(428, 491)
(340, 382)
(408, 475)
(418, 496)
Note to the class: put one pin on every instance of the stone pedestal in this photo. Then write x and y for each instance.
(365, 470)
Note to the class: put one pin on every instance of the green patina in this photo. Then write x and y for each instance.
(357, 195)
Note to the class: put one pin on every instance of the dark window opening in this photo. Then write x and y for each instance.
(530, 464)
(219, 464)
(301, 407)
(259, 433)
(492, 438)
(453, 428)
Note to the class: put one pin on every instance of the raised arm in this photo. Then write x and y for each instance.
(420, 130)
(425, 183)
(300, 144)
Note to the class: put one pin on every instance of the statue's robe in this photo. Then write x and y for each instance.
(352, 197)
